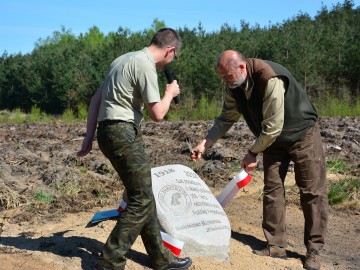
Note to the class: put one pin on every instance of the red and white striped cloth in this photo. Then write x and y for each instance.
(122, 206)
(239, 181)
(172, 243)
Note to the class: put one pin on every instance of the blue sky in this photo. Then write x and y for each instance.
(23, 22)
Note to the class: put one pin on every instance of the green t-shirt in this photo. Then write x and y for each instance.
(131, 81)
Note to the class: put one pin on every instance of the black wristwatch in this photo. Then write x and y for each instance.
(252, 154)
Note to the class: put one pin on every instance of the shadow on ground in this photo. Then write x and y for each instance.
(257, 244)
(87, 249)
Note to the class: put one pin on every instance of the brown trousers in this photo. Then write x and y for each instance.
(310, 176)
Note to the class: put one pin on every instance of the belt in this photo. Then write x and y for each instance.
(112, 122)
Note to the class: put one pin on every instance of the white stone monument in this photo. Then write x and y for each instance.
(188, 211)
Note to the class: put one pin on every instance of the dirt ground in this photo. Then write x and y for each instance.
(40, 159)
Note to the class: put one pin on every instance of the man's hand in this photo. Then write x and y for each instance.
(199, 150)
(86, 147)
(249, 162)
(173, 89)
(196, 154)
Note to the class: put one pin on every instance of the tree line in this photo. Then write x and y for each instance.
(64, 70)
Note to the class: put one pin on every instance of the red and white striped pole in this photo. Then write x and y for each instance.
(240, 180)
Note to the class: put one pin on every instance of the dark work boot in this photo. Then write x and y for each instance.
(272, 251)
(312, 260)
(180, 264)
(101, 266)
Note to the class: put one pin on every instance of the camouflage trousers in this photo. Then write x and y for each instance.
(123, 145)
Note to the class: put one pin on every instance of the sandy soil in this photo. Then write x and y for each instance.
(53, 236)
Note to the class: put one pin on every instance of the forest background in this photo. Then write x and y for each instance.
(64, 70)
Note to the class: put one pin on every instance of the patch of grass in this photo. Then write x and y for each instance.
(83, 169)
(235, 166)
(43, 197)
(337, 166)
(334, 106)
(40, 199)
(71, 188)
(18, 117)
(344, 190)
(192, 165)
(100, 194)
(36, 115)
(193, 110)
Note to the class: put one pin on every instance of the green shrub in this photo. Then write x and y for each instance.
(206, 110)
(17, 116)
(35, 115)
(82, 112)
(68, 116)
(4, 116)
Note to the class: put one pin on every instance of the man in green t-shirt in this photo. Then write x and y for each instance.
(130, 85)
